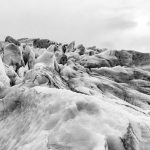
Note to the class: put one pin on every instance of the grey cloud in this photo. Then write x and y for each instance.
(148, 23)
(120, 23)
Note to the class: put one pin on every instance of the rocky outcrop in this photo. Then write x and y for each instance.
(71, 46)
(74, 98)
(42, 43)
(12, 55)
(10, 39)
(28, 56)
(81, 49)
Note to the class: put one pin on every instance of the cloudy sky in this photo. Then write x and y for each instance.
(115, 24)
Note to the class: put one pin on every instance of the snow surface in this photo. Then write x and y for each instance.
(85, 104)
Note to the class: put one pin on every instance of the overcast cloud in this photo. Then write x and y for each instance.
(115, 24)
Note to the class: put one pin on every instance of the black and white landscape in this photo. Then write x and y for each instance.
(74, 75)
(66, 97)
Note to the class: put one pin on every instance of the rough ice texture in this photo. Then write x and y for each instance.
(93, 102)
